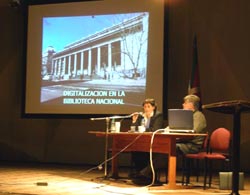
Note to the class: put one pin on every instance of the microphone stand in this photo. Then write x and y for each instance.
(106, 138)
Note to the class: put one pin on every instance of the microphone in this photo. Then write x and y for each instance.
(100, 167)
(137, 113)
(101, 118)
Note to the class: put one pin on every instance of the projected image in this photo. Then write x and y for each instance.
(96, 59)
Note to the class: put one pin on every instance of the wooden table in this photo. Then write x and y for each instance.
(162, 143)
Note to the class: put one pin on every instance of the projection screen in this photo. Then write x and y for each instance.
(94, 57)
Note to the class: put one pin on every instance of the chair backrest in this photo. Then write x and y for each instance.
(220, 140)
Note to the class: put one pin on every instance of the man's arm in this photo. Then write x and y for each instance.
(199, 122)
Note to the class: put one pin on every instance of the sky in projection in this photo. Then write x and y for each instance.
(61, 31)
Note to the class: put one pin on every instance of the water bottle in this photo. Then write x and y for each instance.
(142, 127)
(143, 122)
(112, 127)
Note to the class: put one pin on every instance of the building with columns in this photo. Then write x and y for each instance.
(119, 51)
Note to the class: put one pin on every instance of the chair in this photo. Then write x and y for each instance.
(187, 158)
(215, 147)
(219, 149)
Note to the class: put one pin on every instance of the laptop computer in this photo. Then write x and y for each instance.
(180, 121)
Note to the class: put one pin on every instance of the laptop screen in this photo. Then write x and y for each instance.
(180, 119)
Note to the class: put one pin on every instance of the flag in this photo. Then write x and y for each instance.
(194, 82)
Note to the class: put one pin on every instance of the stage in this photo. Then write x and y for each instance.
(54, 179)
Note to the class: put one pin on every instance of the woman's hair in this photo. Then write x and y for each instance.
(150, 101)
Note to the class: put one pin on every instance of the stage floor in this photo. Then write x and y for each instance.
(51, 179)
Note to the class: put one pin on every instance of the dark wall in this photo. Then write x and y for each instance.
(222, 29)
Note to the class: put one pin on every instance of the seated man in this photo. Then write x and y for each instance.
(192, 102)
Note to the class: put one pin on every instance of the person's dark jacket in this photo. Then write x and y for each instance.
(156, 122)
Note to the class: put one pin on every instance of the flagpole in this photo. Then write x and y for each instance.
(194, 81)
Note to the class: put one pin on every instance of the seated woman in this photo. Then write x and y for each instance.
(153, 120)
